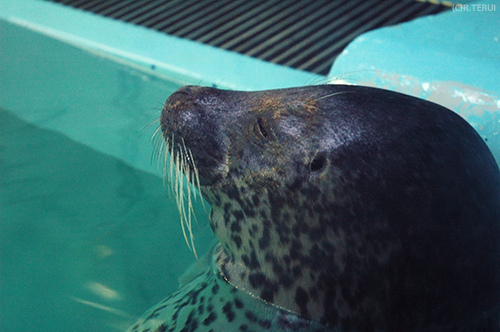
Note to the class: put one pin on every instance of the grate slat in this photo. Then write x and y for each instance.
(155, 15)
(182, 11)
(322, 48)
(349, 29)
(243, 26)
(215, 24)
(299, 32)
(301, 50)
(285, 24)
(262, 34)
(303, 34)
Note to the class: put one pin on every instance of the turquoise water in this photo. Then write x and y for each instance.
(88, 239)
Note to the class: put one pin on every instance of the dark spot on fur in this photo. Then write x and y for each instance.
(233, 193)
(245, 260)
(250, 316)
(237, 240)
(227, 309)
(265, 239)
(301, 298)
(256, 279)
(201, 308)
(296, 250)
(238, 215)
(267, 293)
(235, 227)
(238, 304)
(210, 319)
(191, 322)
(254, 263)
(285, 280)
(266, 324)
(249, 212)
(297, 271)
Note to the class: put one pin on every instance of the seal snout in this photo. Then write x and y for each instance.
(187, 122)
(178, 111)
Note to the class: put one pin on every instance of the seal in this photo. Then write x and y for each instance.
(337, 208)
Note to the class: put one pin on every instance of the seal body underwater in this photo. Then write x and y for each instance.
(337, 208)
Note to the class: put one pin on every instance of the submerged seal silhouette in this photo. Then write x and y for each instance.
(337, 208)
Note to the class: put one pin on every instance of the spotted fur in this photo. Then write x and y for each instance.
(210, 303)
(341, 208)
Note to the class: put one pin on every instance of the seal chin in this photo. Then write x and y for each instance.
(213, 177)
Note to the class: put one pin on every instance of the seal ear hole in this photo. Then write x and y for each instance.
(317, 163)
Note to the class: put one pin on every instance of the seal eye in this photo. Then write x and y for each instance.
(317, 164)
(262, 130)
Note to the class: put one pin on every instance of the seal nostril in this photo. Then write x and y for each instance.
(317, 163)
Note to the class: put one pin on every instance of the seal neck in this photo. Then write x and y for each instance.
(275, 316)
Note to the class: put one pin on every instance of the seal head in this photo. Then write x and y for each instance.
(359, 208)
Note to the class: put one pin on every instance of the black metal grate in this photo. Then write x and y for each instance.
(303, 34)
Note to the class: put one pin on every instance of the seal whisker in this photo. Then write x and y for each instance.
(172, 156)
(179, 168)
(170, 174)
(158, 149)
(157, 120)
(157, 141)
(163, 149)
(333, 94)
(167, 159)
(196, 180)
(179, 195)
(188, 174)
(155, 133)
